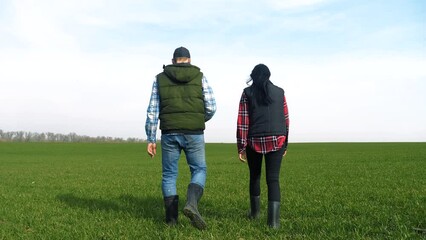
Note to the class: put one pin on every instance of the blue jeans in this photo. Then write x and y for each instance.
(171, 147)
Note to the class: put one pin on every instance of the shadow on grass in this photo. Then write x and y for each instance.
(147, 208)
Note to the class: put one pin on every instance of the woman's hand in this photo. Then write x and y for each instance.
(242, 156)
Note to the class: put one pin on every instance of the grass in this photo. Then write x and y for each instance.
(113, 191)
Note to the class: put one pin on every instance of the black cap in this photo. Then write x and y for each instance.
(181, 52)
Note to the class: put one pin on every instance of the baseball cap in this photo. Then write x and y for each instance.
(181, 52)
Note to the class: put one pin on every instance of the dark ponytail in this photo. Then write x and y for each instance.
(260, 77)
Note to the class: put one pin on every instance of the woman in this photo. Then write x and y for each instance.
(262, 131)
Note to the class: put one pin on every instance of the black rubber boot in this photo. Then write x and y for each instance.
(254, 207)
(171, 205)
(274, 214)
(190, 210)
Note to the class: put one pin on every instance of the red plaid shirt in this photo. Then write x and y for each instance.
(259, 144)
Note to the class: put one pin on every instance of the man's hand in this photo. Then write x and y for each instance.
(285, 152)
(151, 149)
(242, 156)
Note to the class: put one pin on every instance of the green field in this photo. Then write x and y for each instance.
(113, 191)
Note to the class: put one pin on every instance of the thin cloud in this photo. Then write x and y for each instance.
(294, 4)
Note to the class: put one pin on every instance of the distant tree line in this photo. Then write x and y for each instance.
(22, 136)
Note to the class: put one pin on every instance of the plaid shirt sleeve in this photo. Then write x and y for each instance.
(209, 100)
(152, 114)
(242, 124)
(287, 122)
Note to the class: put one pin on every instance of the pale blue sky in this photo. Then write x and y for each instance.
(352, 70)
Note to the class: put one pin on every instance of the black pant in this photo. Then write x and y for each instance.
(273, 166)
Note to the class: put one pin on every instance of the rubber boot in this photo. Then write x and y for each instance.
(254, 207)
(274, 214)
(171, 205)
(190, 210)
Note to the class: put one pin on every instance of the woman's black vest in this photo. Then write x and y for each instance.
(266, 120)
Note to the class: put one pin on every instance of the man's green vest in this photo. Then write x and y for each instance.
(181, 99)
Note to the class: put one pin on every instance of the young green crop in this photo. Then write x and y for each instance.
(113, 191)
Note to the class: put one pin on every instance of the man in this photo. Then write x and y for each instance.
(183, 101)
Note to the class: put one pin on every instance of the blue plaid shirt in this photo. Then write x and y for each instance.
(153, 111)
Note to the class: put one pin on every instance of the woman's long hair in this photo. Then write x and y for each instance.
(260, 77)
